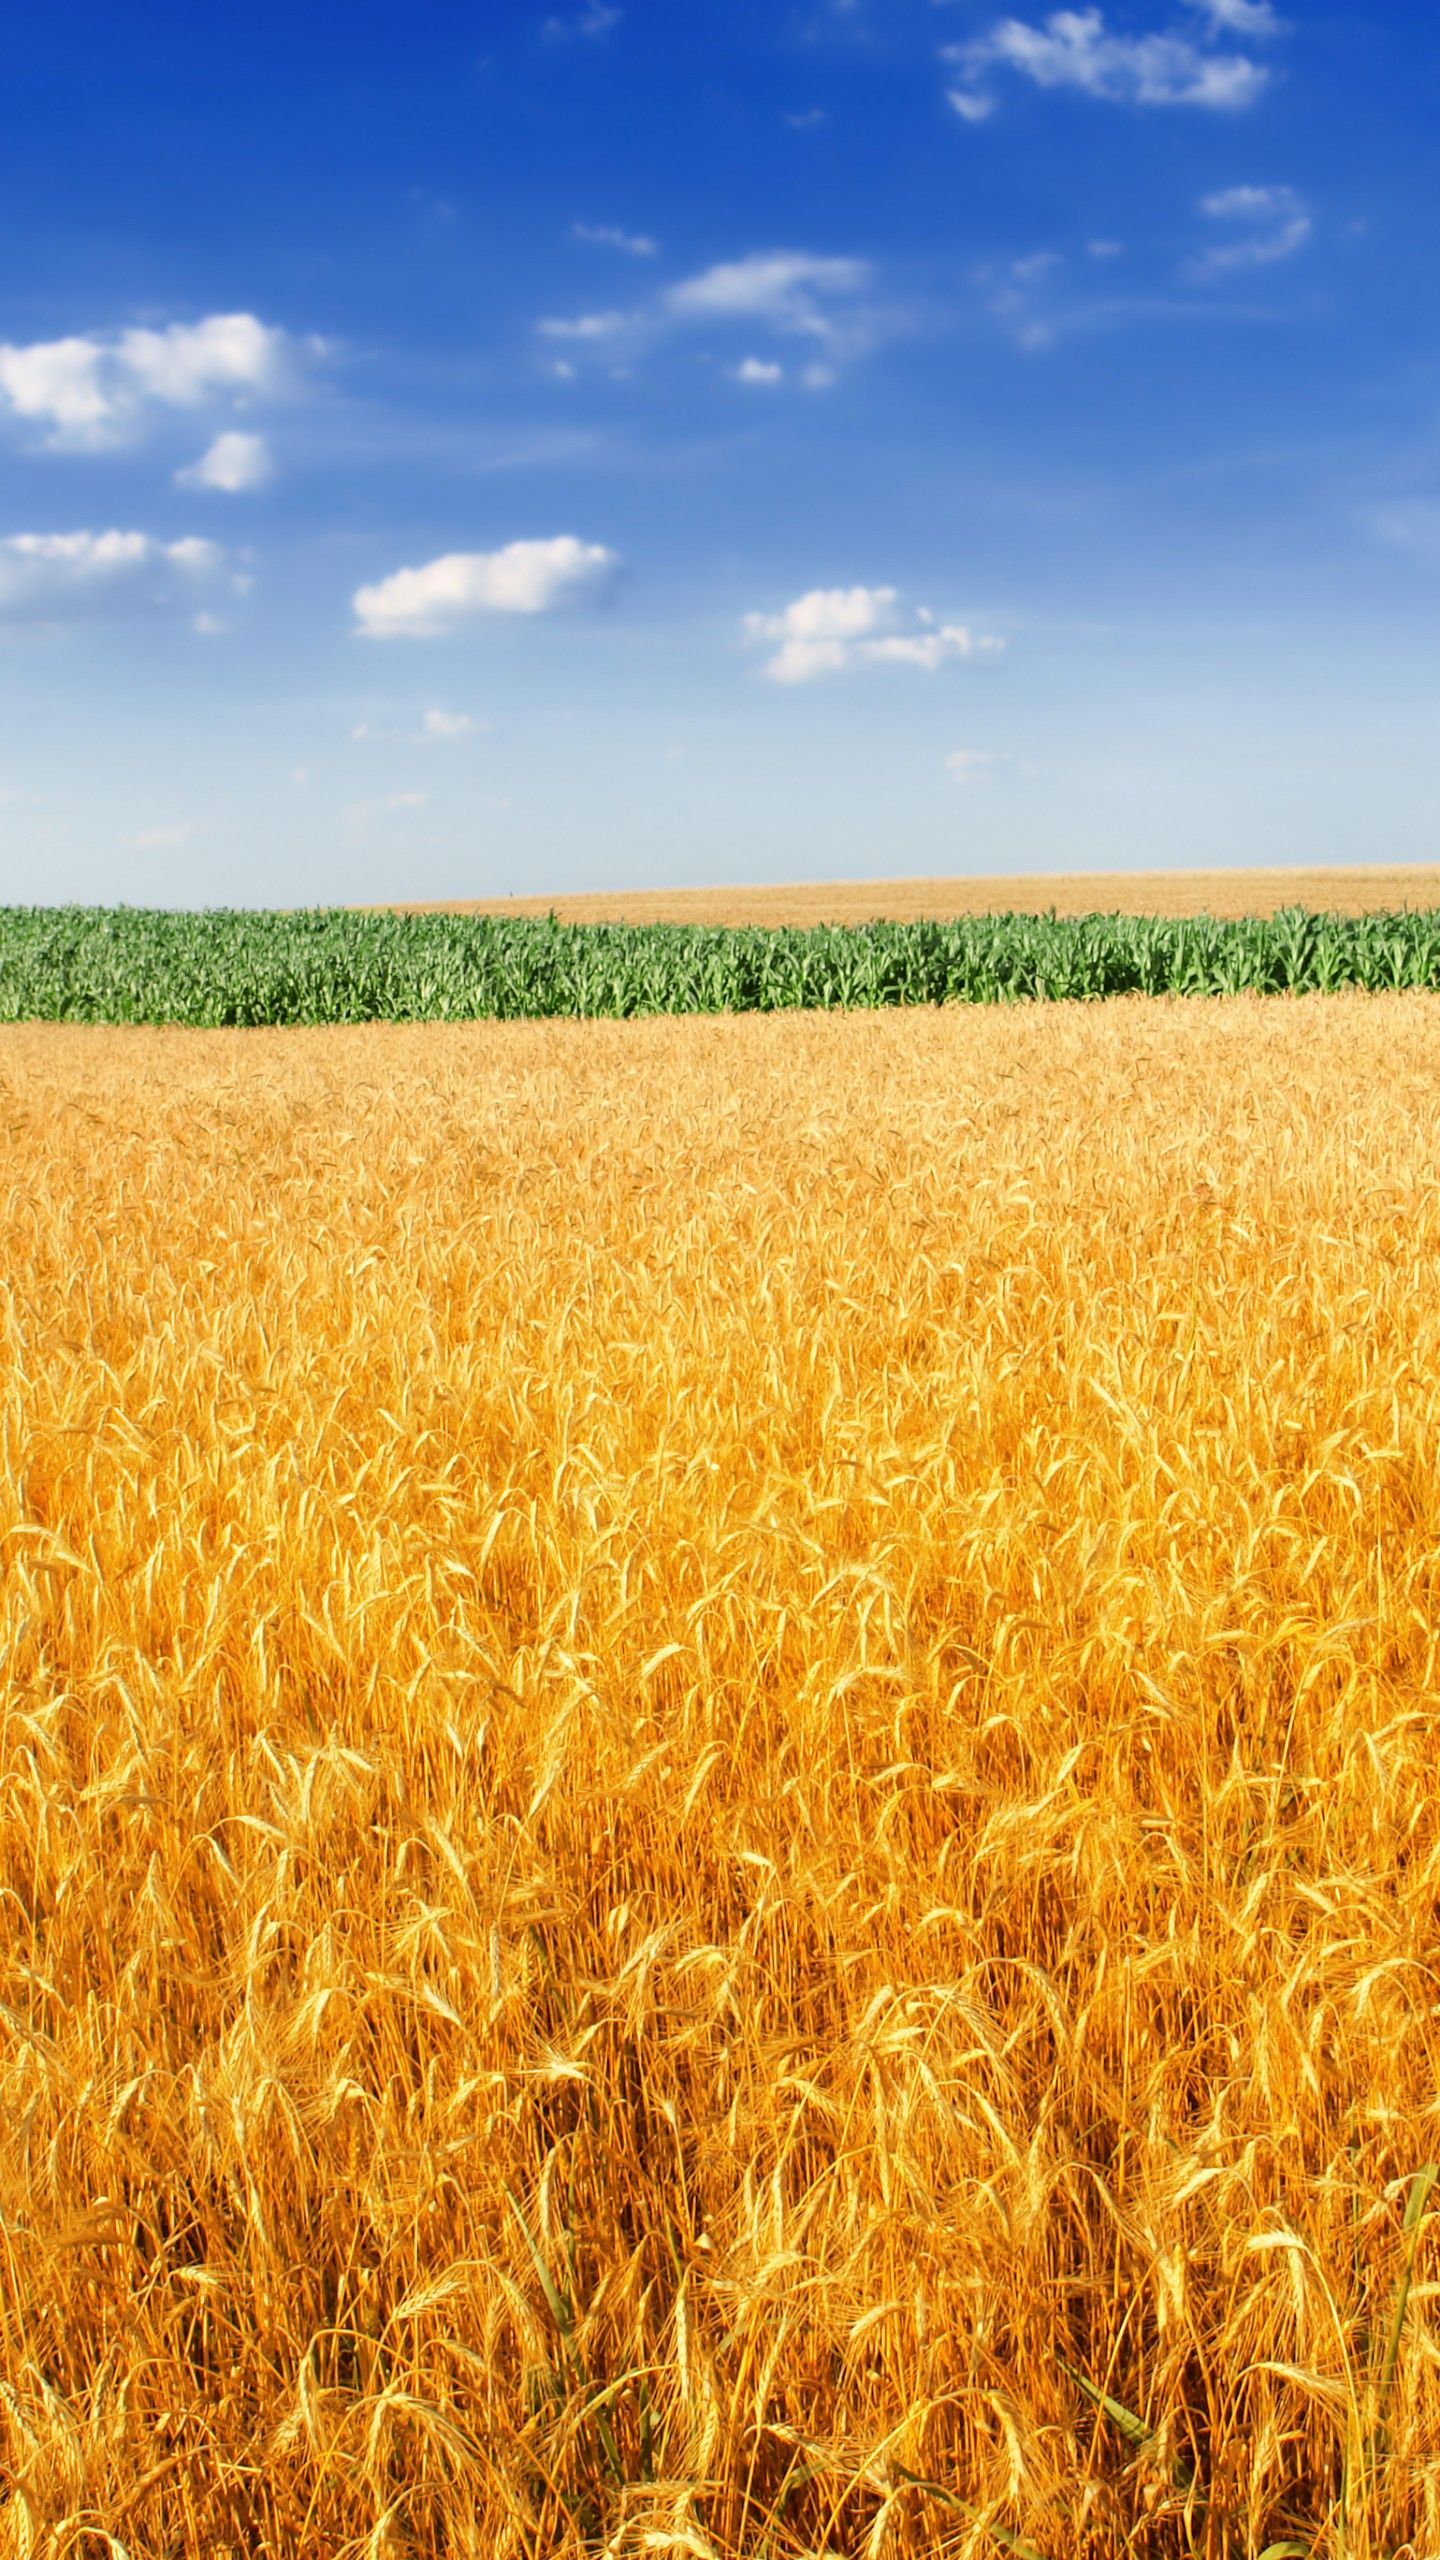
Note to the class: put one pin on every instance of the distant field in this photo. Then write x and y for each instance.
(718, 1829)
(1359, 891)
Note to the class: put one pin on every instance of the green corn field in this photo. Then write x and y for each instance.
(235, 967)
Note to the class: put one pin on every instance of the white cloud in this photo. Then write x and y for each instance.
(1024, 295)
(434, 726)
(1253, 18)
(525, 577)
(234, 463)
(928, 649)
(788, 288)
(58, 384)
(585, 327)
(189, 363)
(1074, 49)
(1268, 225)
(1413, 525)
(834, 629)
(789, 292)
(87, 393)
(606, 235)
(594, 20)
(1247, 204)
(968, 764)
(756, 369)
(360, 817)
(66, 577)
(972, 104)
(157, 839)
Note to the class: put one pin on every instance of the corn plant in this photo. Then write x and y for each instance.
(236, 967)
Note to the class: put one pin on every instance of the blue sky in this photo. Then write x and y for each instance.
(457, 449)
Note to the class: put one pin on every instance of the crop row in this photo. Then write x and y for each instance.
(238, 966)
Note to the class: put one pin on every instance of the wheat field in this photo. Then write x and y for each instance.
(718, 1813)
(1354, 889)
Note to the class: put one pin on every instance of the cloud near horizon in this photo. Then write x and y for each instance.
(49, 578)
(832, 630)
(525, 577)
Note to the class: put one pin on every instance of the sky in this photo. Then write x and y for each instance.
(477, 447)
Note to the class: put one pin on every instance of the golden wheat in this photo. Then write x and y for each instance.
(718, 1811)
(1359, 889)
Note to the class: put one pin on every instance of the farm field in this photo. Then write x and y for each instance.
(718, 1825)
(231, 968)
(1361, 889)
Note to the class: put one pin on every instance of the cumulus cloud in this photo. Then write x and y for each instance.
(1267, 224)
(787, 288)
(968, 764)
(606, 235)
(525, 577)
(447, 724)
(234, 463)
(756, 369)
(1074, 49)
(1255, 19)
(87, 393)
(69, 577)
(788, 292)
(586, 326)
(188, 363)
(59, 385)
(831, 630)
